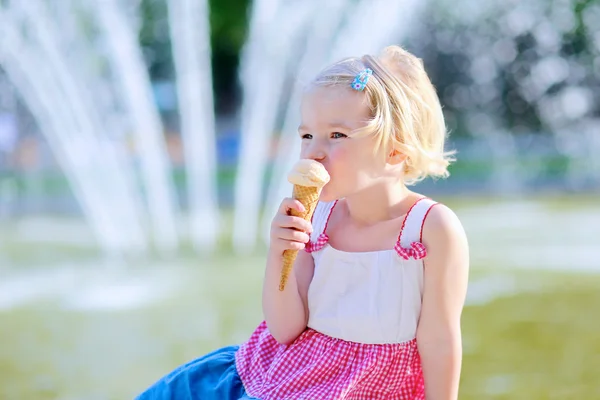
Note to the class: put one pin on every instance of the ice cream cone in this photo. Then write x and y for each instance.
(309, 197)
(308, 177)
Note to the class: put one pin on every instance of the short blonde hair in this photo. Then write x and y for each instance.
(405, 109)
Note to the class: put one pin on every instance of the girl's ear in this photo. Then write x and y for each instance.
(395, 157)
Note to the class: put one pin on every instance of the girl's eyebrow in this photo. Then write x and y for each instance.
(334, 124)
(337, 124)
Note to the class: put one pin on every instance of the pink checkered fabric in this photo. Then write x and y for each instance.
(416, 250)
(318, 367)
(321, 242)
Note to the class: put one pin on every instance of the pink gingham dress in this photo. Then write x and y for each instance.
(360, 343)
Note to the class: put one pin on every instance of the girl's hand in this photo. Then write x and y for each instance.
(289, 232)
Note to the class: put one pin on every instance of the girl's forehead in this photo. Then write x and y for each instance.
(326, 104)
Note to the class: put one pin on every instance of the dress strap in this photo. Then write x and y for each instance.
(320, 220)
(409, 244)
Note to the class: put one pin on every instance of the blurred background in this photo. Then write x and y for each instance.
(143, 150)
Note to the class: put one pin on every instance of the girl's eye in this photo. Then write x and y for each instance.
(307, 136)
(338, 135)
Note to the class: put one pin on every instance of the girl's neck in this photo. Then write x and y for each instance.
(379, 204)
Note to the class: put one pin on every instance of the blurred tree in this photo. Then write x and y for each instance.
(525, 67)
(155, 40)
(228, 30)
(228, 20)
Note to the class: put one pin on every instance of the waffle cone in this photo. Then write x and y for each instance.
(309, 197)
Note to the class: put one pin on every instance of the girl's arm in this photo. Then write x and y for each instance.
(286, 312)
(444, 292)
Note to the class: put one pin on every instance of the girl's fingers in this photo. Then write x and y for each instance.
(288, 221)
(295, 246)
(290, 204)
(291, 235)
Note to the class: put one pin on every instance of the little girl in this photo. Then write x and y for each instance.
(372, 309)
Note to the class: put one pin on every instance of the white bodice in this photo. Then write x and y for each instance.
(367, 297)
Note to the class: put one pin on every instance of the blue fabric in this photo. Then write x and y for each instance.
(211, 377)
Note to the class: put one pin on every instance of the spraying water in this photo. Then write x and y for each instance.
(188, 20)
(93, 93)
(67, 124)
(127, 62)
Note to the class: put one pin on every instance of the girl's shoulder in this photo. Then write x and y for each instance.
(441, 217)
(442, 226)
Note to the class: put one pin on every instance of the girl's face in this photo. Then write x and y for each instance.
(329, 118)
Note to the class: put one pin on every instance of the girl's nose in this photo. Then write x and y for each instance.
(315, 151)
(319, 156)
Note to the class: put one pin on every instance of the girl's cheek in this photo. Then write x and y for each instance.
(338, 155)
(337, 161)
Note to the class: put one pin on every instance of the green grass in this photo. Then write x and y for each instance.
(540, 344)
(49, 352)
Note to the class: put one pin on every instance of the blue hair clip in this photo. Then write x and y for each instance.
(360, 81)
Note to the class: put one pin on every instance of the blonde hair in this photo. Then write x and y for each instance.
(405, 109)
